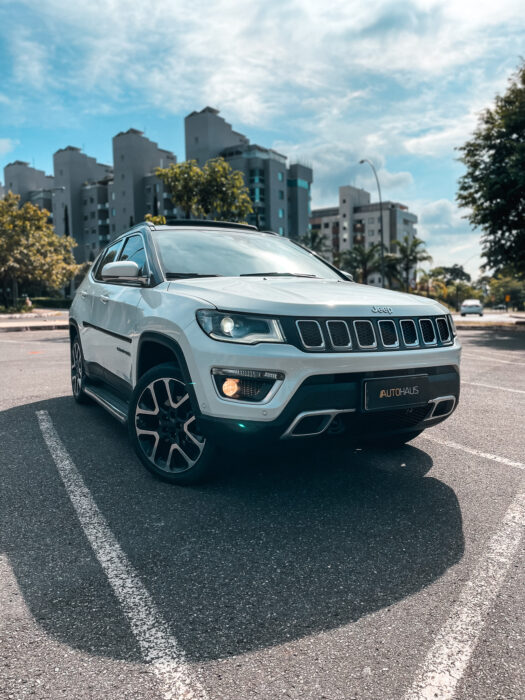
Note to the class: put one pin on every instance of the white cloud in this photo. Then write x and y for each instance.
(7, 145)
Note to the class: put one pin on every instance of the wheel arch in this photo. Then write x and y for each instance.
(74, 330)
(163, 349)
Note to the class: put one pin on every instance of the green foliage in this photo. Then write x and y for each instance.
(499, 287)
(215, 191)
(30, 250)
(410, 253)
(315, 241)
(493, 186)
(362, 262)
(158, 220)
(456, 273)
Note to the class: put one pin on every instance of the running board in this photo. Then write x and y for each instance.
(117, 407)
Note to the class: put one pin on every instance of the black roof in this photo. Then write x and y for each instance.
(204, 223)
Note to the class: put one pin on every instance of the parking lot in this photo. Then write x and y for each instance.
(310, 571)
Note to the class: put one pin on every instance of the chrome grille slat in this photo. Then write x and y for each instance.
(428, 331)
(409, 331)
(365, 333)
(388, 333)
(339, 335)
(443, 329)
(310, 334)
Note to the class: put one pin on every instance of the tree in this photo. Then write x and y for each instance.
(410, 252)
(455, 273)
(362, 262)
(30, 250)
(223, 194)
(493, 186)
(183, 181)
(156, 219)
(215, 191)
(315, 241)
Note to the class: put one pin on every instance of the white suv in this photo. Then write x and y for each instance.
(202, 334)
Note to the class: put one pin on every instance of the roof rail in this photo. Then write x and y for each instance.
(208, 223)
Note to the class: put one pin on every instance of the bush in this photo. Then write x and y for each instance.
(51, 302)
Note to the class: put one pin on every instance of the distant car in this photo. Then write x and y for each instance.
(471, 306)
(500, 307)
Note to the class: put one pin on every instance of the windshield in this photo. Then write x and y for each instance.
(197, 252)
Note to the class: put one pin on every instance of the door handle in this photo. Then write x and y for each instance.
(83, 294)
(104, 298)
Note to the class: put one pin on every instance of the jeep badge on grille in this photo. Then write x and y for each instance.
(381, 309)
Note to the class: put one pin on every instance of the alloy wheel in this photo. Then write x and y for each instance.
(76, 369)
(165, 426)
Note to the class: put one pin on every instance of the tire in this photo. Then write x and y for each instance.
(399, 440)
(160, 419)
(78, 374)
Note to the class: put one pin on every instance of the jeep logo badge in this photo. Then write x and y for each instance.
(382, 309)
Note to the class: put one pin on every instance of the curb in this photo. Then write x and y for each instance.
(35, 327)
(519, 326)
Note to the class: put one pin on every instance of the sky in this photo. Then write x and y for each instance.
(325, 83)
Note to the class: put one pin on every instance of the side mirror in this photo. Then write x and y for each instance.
(125, 270)
(346, 275)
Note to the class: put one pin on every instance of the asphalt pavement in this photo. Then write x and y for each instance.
(319, 572)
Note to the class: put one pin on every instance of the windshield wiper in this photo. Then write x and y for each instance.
(186, 275)
(278, 274)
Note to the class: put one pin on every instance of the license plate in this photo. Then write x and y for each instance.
(395, 392)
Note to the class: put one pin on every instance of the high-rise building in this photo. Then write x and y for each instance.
(73, 170)
(134, 186)
(280, 194)
(358, 221)
(31, 184)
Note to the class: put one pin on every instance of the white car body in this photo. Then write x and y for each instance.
(471, 306)
(121, 324)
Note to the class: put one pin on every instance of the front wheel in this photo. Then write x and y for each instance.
(78, 375)
(163, 430)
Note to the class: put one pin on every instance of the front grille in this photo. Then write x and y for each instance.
(443, 329)
(427, 330)
(339, 334)
(388, 334)
(408, 328)
(310, 332)
(365, 334)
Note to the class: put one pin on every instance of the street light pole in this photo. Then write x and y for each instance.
(365, 160)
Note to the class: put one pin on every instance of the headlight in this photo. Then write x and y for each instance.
(239, 328)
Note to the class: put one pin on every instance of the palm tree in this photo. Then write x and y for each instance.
(362, 262)
(432, 286)
(315, 241)
(411, 252)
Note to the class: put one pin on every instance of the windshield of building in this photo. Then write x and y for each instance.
(200, 252)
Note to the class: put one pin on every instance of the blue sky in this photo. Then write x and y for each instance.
(400, 83)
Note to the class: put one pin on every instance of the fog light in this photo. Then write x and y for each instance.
(246, 384)
(230, 387)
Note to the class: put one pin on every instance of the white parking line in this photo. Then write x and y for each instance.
(492, 359)
(450, 654)
(471, 451)
(158, 646)
(491, 386)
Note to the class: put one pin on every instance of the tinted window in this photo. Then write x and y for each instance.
(107, 257)
(134, 250)
(233, 253)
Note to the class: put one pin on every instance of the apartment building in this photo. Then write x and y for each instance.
(31, 184)
(358, 221)
(280, 194)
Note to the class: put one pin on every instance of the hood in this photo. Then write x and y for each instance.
(299, 296)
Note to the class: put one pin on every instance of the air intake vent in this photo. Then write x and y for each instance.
(311, 335)
(427, 330)
(388, 334)
(339, 334)
(365, 334)
(408, 328)
(444, 330)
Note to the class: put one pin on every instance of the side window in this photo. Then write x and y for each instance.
(107, 257)
(134, 250)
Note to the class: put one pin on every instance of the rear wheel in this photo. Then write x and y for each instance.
(78, 375)
(163, 430)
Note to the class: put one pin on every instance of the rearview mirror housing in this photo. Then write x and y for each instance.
(125, 270)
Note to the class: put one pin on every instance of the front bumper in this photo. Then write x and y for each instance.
(342, 396)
